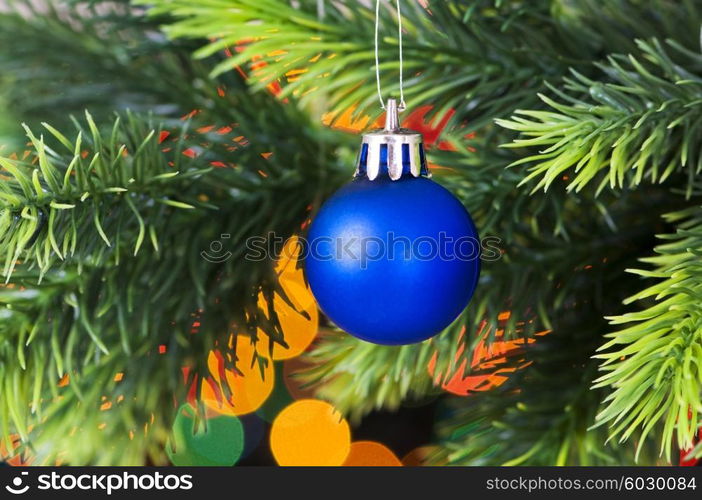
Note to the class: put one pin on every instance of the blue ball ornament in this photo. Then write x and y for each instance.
(393, 257)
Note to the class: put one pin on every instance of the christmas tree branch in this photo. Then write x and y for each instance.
(94, 338)
(103, 56)
(540, 415)
(653, 365)
(639, 123)
(102, 192)
(129, 306)
(70, 401)
(487, 63)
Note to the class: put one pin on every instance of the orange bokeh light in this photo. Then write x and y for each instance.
(310, 433)
(249, 388)
(299, 320)
(371, 454)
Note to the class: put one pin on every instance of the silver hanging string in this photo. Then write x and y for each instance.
(402, 105)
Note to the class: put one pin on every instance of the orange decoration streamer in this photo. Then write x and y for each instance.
(487, 365)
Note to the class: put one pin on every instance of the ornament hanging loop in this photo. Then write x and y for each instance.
(402, 106)
(392, 116)
(392, 151)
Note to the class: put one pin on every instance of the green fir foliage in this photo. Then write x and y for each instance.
(104, 214)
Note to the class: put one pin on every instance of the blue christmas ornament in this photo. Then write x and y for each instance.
(393, 257)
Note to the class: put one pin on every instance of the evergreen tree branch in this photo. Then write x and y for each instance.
(258, 30)
(543, 412)
(75, 206)
(540, 415)
(481, 59)
(104, 310)
(107, 309)
(653, 364)
(639, 123)
(103, 56)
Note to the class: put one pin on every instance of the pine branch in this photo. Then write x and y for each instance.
(82, 311)
(481, 59)
(105, 190)
(68, 401)
(543, 413)
(507, 41)
(639, 123)
(540, 415)
(111, 308)
(104, 56)
(653, 365)
(103, 310)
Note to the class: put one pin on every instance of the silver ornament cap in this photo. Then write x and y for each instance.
(392, 151)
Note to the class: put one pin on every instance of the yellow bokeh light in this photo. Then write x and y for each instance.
(286, 265)
(249, 389)
(310, 432)
(299, 320)
(371, 454)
